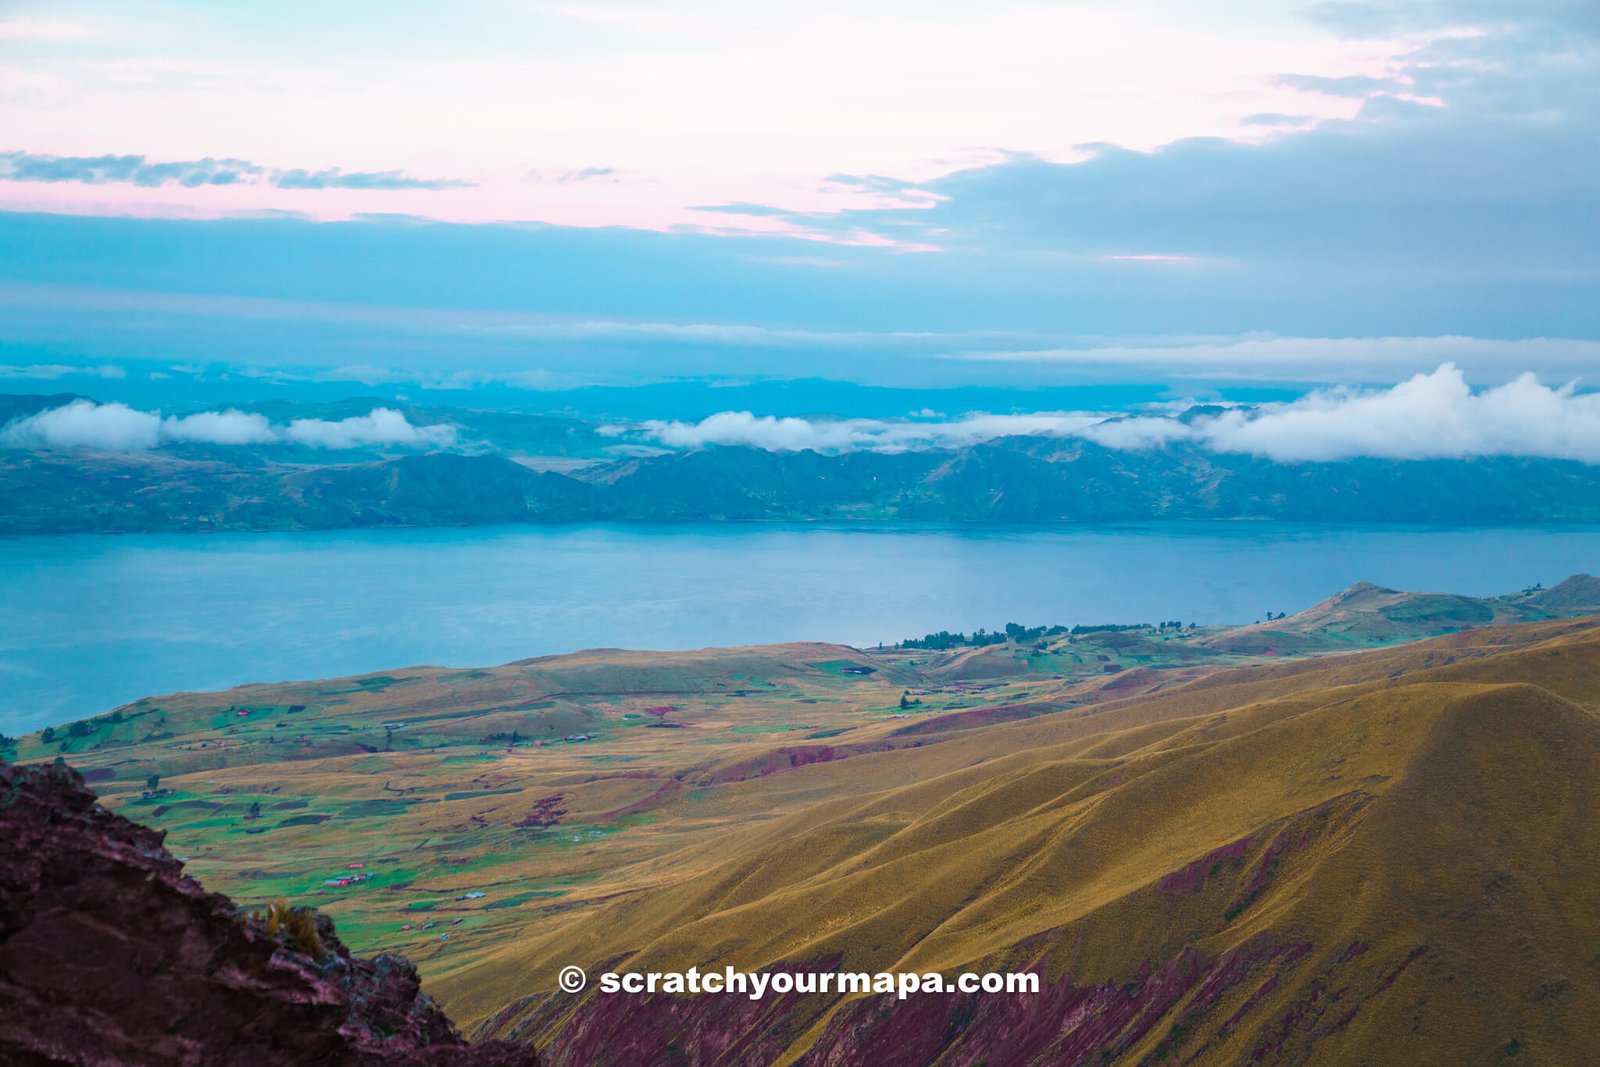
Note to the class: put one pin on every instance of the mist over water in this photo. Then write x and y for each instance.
(87, 622)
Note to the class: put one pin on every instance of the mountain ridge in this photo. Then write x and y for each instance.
(1365, 613)
(1020, 480)
(1239, 976)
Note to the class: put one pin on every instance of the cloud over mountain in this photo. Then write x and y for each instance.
(850, 435)
(84, 424)
(1430, 416)
(381, 426)
(219, 428)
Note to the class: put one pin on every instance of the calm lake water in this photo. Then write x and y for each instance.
(90, 622)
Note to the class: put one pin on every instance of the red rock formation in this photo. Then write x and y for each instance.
(109, 954)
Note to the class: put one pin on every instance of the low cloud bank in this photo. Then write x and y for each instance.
(120, 428)
(1430, 416)
(380, 426)
(852, 435)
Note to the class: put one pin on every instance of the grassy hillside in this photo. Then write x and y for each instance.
(1374, 858)
(1367, 614)
(1212, 851)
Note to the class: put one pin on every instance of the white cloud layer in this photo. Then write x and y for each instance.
(220, 428)
(380, 426)
(1435, 415)
(1431, 416)
(120, 428)
(852, 435)
(85, 424)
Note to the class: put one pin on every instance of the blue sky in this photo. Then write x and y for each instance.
(548, 195)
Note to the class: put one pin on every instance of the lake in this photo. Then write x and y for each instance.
(90, 622)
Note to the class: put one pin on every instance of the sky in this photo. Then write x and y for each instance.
(546, 196)
(603, 113)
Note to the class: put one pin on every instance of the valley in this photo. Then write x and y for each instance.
(1171, 812)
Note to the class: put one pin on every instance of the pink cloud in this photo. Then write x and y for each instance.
(1151, 257)
(32, 29)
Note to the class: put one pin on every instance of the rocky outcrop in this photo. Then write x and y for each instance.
(110, 954)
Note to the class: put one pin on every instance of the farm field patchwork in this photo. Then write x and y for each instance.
(491, 823)
(458, 807)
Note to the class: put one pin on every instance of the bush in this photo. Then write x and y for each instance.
(295, 927)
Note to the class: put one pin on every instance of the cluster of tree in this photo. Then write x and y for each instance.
(1021, 634)
(81, 728)
(514, 737)
(1014, 632)
(944, 639)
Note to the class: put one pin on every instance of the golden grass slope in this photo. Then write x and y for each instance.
(1388, 857)
(1170, 841)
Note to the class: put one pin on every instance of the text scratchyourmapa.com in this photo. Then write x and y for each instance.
(757, 984)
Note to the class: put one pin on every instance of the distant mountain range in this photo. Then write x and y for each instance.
(539, 469)
(1012, 480)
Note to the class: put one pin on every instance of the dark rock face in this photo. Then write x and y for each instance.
(109, 954)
